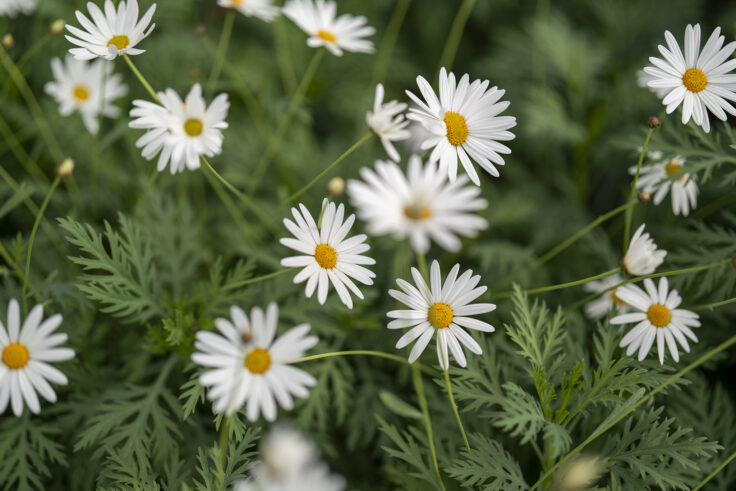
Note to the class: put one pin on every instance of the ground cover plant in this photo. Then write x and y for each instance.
(317, 245)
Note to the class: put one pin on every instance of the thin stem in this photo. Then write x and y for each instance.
(389, 41)
(224, 440)
(13, 266)
(36, 223)
(258, 279)
(456, 32)
(327, 169)
(283, 60)
(715, 471)
(721, 347)
(142, 201)
(419, 388)
(227, 30)
(627, 222)
(714, 305)
(277, 136)
(561, 286)
(378, 354)
(19, 152)
(141, 78)
(454, 410)
(422, 264)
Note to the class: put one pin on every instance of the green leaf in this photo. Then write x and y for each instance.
(21, 194)
(398, 406)
(520, 414)
(411, 451)
(487, 465)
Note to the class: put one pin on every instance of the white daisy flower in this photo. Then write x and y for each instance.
(249, 367)
(464, 123)
(181, 131)
(658, 317)
(87, 87)
(642, 257)
(421, 205)
(643, 79)
(11, 8)
(387, 122)
(27, 353)
(263, 9)
(599, 308)
(317, 18)
(444, 309)
(111, 34)
(329, 256)
(654, 180)
(699, 80)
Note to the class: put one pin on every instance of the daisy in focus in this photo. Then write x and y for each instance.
(442, 308)
(700, 81)
(642, 257)
(263, 9)
(601, 306)
(317, 18)
(27, 353)
(421, 205)
(328, 257)
(464, 123)
(87, 87)
(387, 122)
(11, 8)
(657, 318)
(181, 131)
(249, 367)
(111, 34)
(654, 179)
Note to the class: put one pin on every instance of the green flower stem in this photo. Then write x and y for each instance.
(715, 471)
(40, 43)
(227, 30)
(142, 201)
(721, 347)
(714, 305)
(224, 441)
(141, 78)
(283, 60)
(14, 145)
(422, 264)
(419, 388)
(378, 354)
(627, 221)
(327, 169)
(277, 136)
(454, 410)
(14, 267)
(456, 32)
(258, 279)
(36, 223)
(561, 286)
(389, 41)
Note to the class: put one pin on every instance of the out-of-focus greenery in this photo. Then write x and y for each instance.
(133, 413)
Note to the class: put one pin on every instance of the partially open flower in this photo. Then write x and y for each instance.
(642, 257)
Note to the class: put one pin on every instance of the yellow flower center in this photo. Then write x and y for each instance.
(15, 356)
(417, 212)
(457, 128)
(120, 42)
(237, 2)
(672, 167)
(659, 315)
(258, 361)
(616, 298)
(325, 256)
(694, 80)
(326, 36)
(193, 127)
(440, 315)
(81, 93)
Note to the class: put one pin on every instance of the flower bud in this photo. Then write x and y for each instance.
(65, 168)
(579, 474)
(57, 27)
(336, 187)
(644, 197)
(654, 122)
(200, 29)
(8, 42)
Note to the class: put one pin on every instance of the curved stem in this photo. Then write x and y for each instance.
(419, 388)
(456, 32)
(389, 41)
(258, 279)
(141, 78)
(378, 354)
(627, 222)
(715, 471)
(27, 55)
(454, 410)
(227, 30)
(561, 286)
(714, 305)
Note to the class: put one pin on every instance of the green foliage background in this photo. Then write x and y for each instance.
(133, 415)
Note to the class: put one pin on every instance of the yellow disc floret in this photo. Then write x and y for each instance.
(258, 361)
(659, 315)
(81, 93)
(325, 256)
(120, 42)
(417, 212)
(457, 128)
(326, 36)
(440, 315)
(15, 356)
(672, 167)
(694, 80)
(193, 127)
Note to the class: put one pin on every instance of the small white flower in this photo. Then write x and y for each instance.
(654, 180)
(11, 8)
(249, 367)
(263, 9)
(441, 308)
(111, 34)
(27, 354)
(600, 307)
(658, 317)
(87, 87)
(699, 80)
(421, 205)
(642, 257)
(387, 122)
(317, 18)
(328, 256)
(181, 131)
(464, 123)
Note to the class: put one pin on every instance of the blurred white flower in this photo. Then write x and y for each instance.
(464, 123)
(112, 33)
(181, 131)
(643, 79)
(421, 205)
(317, 18)
(699, 80)
(263, 9)
(87, 87)
(579, 474)
(599, 308)
(387, 122)
(654, 180)
(27, 353)
(642, 257)
(11, 8)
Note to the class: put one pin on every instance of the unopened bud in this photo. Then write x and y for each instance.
(65, 168)
(8, 42)
(579, 474)
(336, 187)
(654, 122)
(644, 197)
(196, 72)
(57, 27)
(200, 29)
